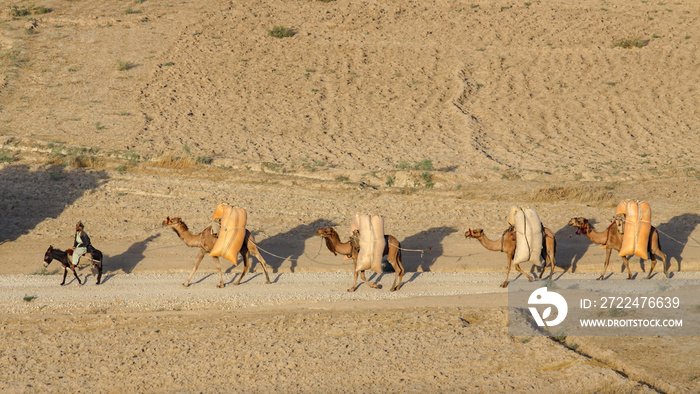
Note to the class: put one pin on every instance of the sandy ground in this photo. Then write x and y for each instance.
(438, 116)
(305, 333)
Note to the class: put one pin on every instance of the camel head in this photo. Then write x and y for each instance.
(578, 222)
(171, 221)
(476, 233)
(325, 232)
(329, 234)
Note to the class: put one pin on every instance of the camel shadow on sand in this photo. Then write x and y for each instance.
(674, 236)
(128, 260)
(283, 247)
(430, 243)
(571, 248)
(29, 197)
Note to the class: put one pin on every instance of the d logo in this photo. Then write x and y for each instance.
(543, 297)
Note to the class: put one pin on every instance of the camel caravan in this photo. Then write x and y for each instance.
(525, 240)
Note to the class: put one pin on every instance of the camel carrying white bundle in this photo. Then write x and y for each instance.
(528, 234)
(232, 233)
(372, 242)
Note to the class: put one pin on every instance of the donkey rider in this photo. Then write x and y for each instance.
(81, 243)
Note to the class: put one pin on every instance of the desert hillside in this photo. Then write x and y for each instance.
(437, 115)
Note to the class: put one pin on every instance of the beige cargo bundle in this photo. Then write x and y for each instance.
(528, 234)
(372, 242)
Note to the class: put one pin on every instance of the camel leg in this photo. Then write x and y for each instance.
(552, 263)
(354, 283)
(662, 255)
(218, 268)
(608, 252)
(254, 250)
(398, 270)
(196, 266)
(505, 283)
(246, 266)
(627, 265)
(372, 285)
(517, 267)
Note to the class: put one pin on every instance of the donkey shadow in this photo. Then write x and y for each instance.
(674, 236)
(285, 246)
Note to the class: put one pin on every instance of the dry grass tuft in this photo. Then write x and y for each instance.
(592, 195)
(179, 163)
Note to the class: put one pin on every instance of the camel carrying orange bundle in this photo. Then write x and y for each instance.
(372, 241)
(232, 233)
(528, 234)
(635, 238)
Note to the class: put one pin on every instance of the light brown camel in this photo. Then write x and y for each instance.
(392, 250)
(505, 244)
(205, 242)
(612, 240)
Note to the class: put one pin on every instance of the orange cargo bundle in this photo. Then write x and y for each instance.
(635, 239)
(232, 233)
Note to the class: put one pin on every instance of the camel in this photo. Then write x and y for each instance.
(205, 242)
(392, 250)
(507, 244)
(612, 239)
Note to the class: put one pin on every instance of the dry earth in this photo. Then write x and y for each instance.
(438, 116)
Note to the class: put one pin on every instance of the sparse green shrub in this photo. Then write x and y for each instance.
(129, 11)
(275, 167)
(18, 12)
(342, 178)
(29, 298)
(57, 176)
(6, 156)
(425, 165)
(124, 65)
(280, 32)
(40, 10)
(390, 181)
(427, 178)
(42, 272)
(206, 160)
(627, 43)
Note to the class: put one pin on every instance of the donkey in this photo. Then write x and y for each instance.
(65, 259)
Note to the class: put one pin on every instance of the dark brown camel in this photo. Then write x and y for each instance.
(65, 258)
(392, 250)
(205, 241)
(612, 240)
